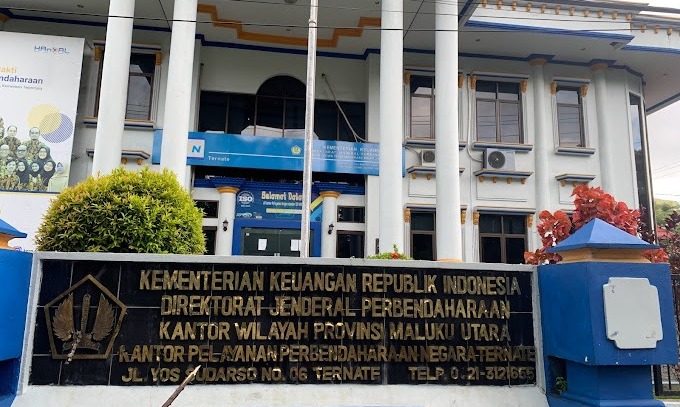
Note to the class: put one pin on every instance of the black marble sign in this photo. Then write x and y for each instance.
(124, 323)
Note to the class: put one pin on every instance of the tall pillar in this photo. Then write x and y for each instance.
(605, 140)
(108, 142)
(178, 92)
(542, 141)
(329, 234)
(226, 212)
(391, 125)
(449, 232)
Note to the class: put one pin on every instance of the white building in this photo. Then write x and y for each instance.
(532, 98)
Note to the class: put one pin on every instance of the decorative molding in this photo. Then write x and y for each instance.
(227, 190)
(557, 9)
(586, 13)
(407, 215)
(97, 53)
(329, 194)
(242, 34)
(528, 8)
(475, 218)
(407, 78)
(602, 66)
(615, 14)
(504, 174)
(513, 6)
(572, 10)
(523, 85)
(3, 18)
(159, 58)
(543, 7)
(530, 221)
(499, 4)
(584, 90)
(473, 82)
(461, 80)
(553, 88)
(463, 215)
(600, 14)
(538, 62)
(484, 3)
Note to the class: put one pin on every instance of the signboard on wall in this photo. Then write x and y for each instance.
(151, 324)
(276, 153)
(274, 202)
(39, 84)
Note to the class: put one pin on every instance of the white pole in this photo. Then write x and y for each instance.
(309, 129)
(391, 219)
(108, 140)
(178, 90)
(449, 233)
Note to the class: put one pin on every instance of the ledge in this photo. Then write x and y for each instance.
(418, 169)
(495, 210)
(139, 155)
(428, 143)
(575, 151)
(485, 173)
(520, 148)
(574, 178)
(129, 124)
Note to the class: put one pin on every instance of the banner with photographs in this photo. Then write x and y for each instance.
(39, 84)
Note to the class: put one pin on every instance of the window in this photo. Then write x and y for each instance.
(209, 208)
(278, 110)
(350, 244)
(354, 214)
(570, 116)
(209, 233)
(641, 159)
(139, 88)
(423, 238)
(499, 112)
(422, 107)
(502, 238)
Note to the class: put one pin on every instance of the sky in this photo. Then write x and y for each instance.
(664, 140)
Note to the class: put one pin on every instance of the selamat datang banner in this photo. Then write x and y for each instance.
(39, 84)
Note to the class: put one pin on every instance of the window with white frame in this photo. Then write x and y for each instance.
(142, 83)
(498, 112)
(421, 107)
(570, 124)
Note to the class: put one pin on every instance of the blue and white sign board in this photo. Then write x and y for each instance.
(275, 204)
(276, 153)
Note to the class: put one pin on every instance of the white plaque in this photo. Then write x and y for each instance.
(261, 244)
(632, 313)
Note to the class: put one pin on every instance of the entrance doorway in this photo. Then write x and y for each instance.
(271, 242)
(256, 237)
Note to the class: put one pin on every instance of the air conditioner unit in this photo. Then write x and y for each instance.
(495, 159)
(428, 158)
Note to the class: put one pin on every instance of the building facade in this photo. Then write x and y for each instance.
(440, 128)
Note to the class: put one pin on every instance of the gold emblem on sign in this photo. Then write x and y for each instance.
(73, 333)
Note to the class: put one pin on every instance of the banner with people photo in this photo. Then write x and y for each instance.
(39, 85)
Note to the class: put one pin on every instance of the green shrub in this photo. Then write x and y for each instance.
(123, 212)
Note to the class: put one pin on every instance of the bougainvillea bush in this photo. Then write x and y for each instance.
(393, 255)
(589, 203)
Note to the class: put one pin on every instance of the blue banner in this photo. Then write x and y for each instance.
(275, 203)
(276, 153)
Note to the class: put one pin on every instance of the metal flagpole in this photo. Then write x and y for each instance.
(309, 129)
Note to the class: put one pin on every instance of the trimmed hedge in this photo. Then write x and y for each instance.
(124, 212)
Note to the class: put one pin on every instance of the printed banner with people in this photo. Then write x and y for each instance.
(39, 85)
(39, 81)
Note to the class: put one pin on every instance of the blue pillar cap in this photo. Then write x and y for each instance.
(9, 230)
(598, 234)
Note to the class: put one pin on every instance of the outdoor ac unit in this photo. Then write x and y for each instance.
(428, 158)
(495, 159)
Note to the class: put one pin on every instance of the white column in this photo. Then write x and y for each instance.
(227, 211)
(372, 197)
(108, 142)
(178, 94)
(391, 125)
(449, 232)
(605, 140)
(542, 142)
(329, 241)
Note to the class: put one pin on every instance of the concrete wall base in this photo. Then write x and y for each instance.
(285, 395)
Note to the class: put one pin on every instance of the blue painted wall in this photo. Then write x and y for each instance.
(15, 275)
